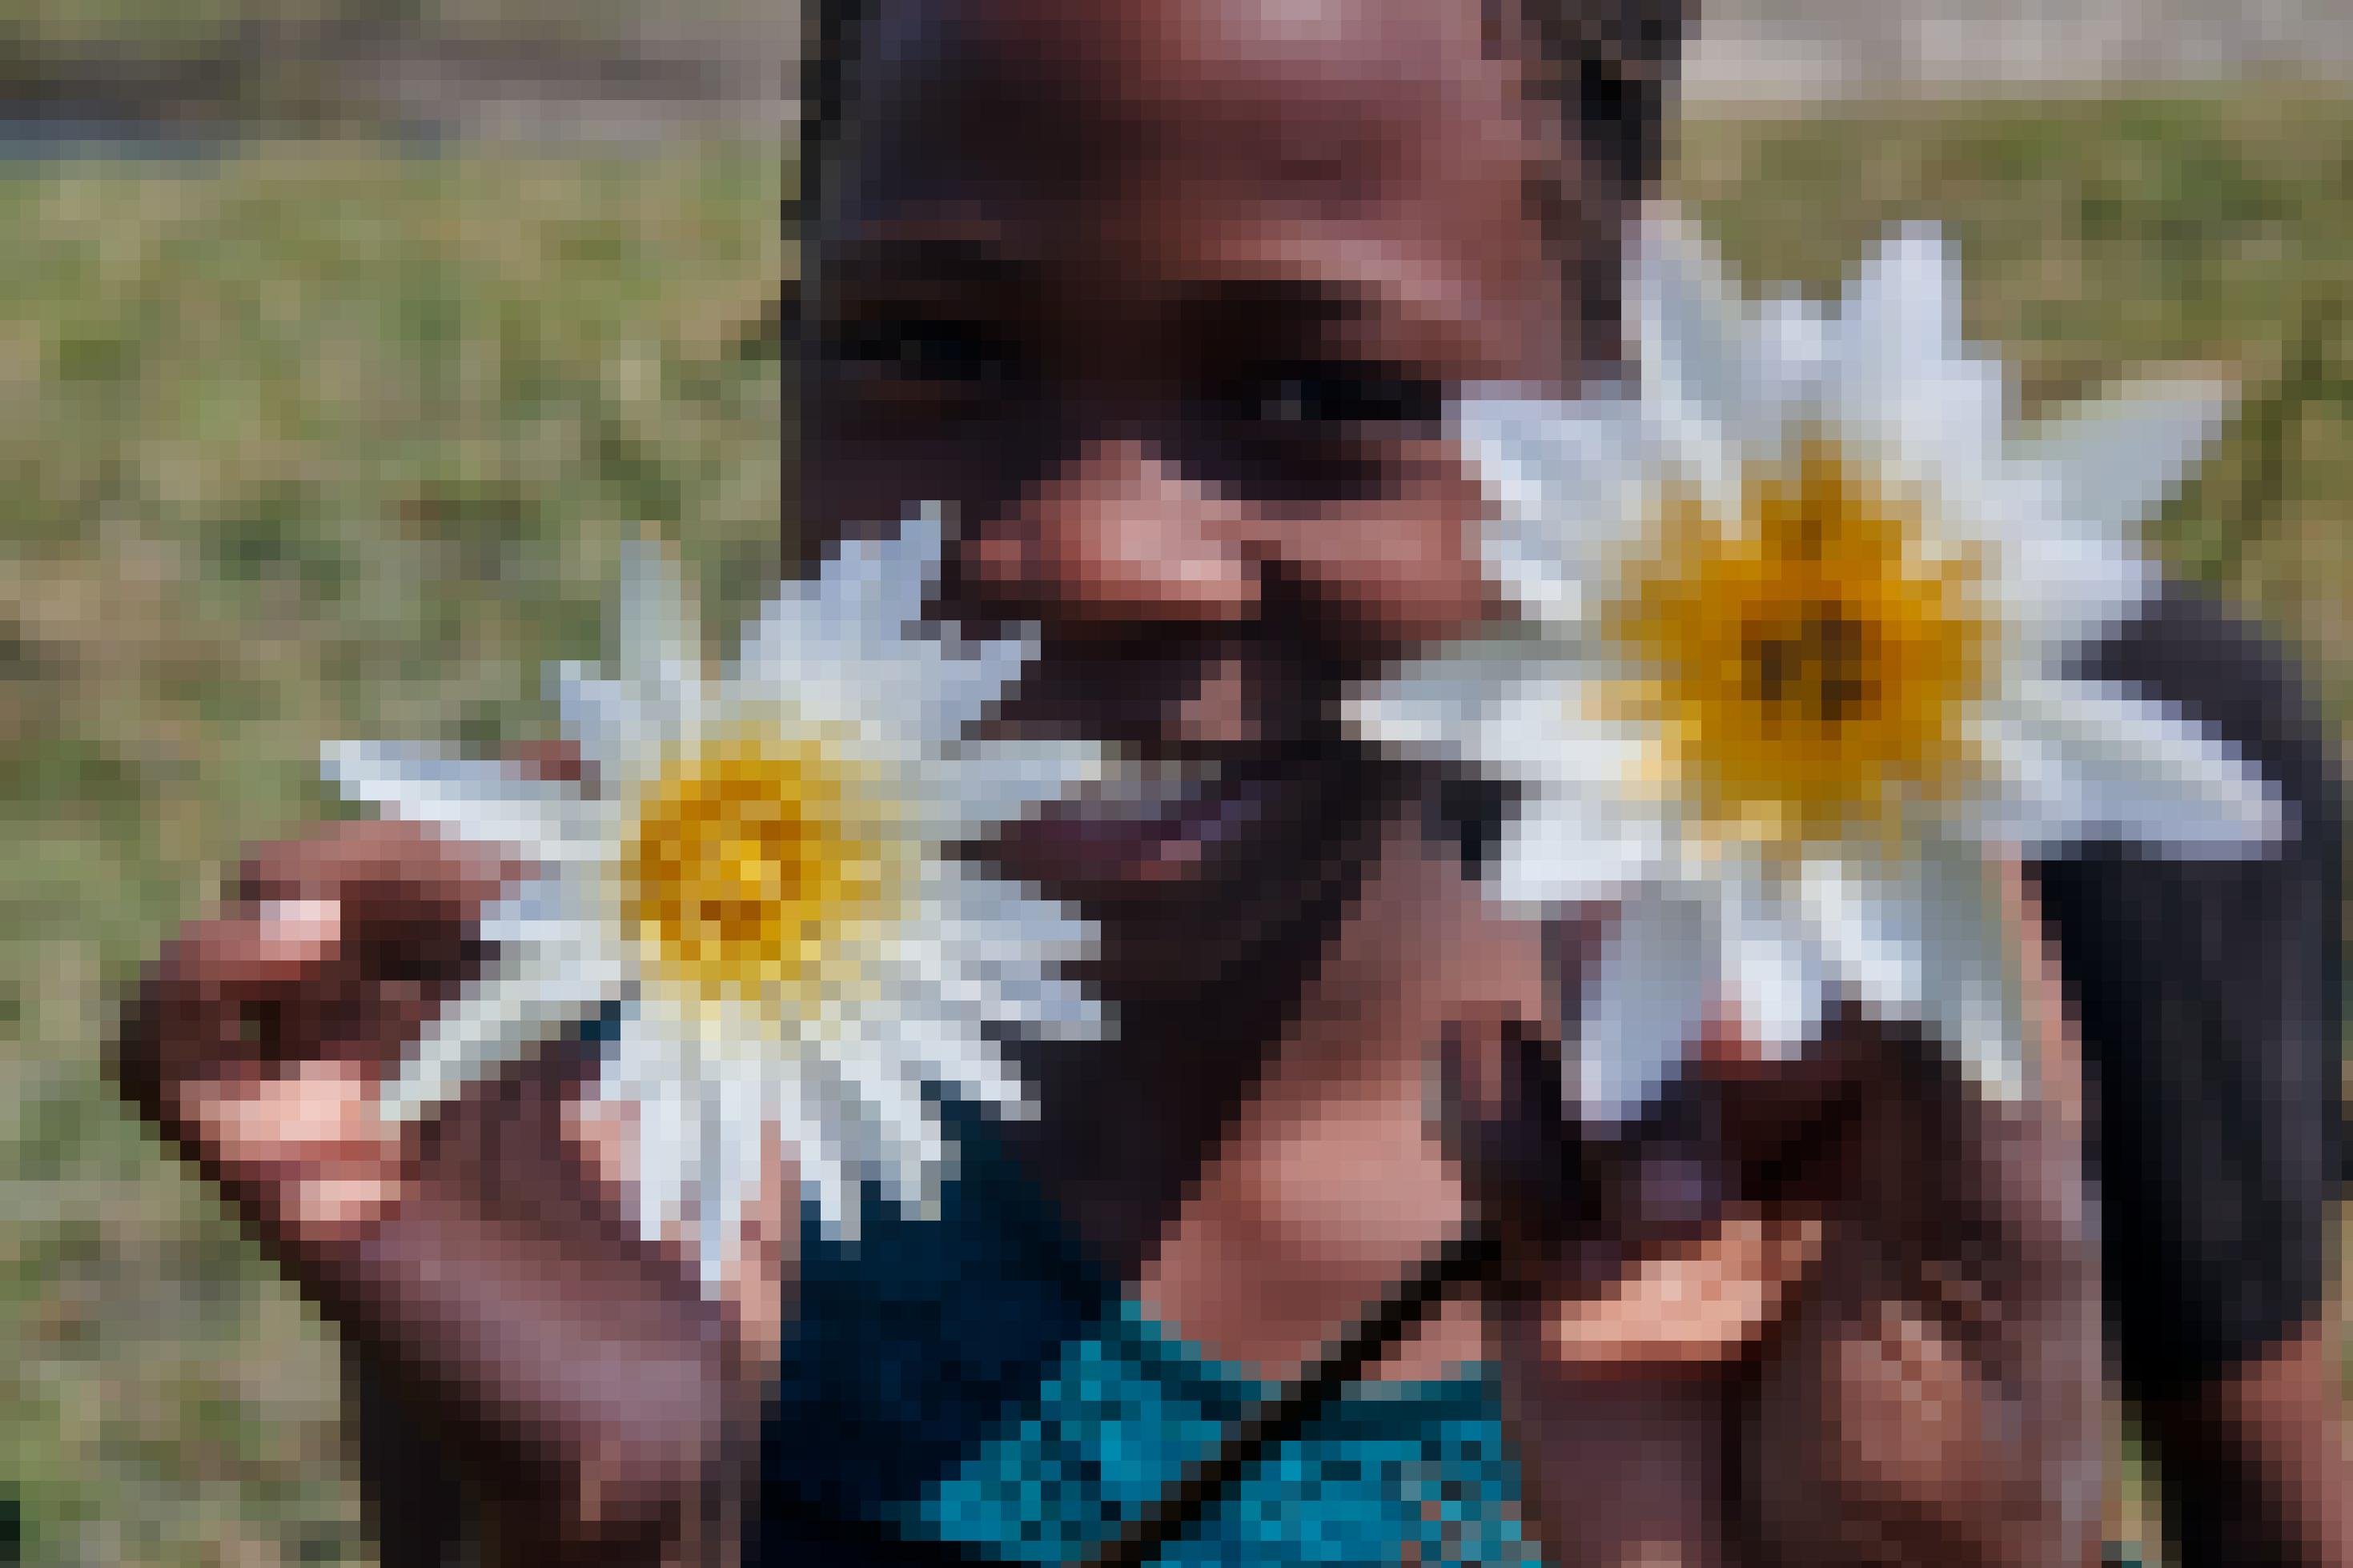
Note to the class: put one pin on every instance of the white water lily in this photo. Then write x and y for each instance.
(1793, 664)
(761, 875)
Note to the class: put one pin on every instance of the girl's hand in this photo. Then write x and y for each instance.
(482, 1260)
(1837, 1310)
(260, 1038)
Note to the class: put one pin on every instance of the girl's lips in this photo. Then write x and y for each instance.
(1148, 822)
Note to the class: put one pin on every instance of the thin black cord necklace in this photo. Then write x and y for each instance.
(1471, 1257)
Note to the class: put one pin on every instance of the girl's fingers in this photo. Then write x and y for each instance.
(1700, 1304)
(1631, 1253)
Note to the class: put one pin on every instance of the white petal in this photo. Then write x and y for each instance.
(1797, 335)
(563, 910)
(490, 803)
(972, 917)
(2093, 760)
(1779, 983)
(950, 1051)
(659, 653)
(733, 1127)
(668, 1158)
(1871, 926)
(781, 1098)
(1970, 992)
(1697, 355)
(1556, 728)
(1026, 997)
(1566, 492)
(1647, 1001)
(517, 1004)
(907, 1153)
(1436, 706)
(988, 783)
(2119, 460)
(855, 622)
(619, 734)
(963, 681)
(1561, 850)
(873, 590)
(1902, 382)
(1907, 299)
(2057, 585)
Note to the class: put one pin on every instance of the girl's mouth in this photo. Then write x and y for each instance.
(1153, 822)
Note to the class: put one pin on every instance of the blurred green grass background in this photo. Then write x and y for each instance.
(318, 440)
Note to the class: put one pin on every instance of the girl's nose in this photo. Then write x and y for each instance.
(1115, 536)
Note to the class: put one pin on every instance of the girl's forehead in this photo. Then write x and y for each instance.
(1081, 99)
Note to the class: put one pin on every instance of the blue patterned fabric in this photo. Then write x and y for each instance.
(973, 1386)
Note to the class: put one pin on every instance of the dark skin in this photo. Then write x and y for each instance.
(1182, 395)
(2253, 1464)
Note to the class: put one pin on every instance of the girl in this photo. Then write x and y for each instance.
(1166, 298)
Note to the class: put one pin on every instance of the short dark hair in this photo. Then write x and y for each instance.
(1607, 66)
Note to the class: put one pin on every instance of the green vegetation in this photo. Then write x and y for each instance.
(321, 442)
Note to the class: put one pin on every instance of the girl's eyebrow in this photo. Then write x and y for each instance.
(974, 255)
(1274, 289)
(1353, 293)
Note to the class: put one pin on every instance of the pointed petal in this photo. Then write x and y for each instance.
(1870, 927)
(1433, 706)
(2059, 584)
(555, 912)
(731, 1127)
(2089, 760)
(946, 1049)
(2118, 461)
(815, 1149)
(490, 803)
(1779, 981)
(964, 680)
(1797, 334)
(1699, 359)
(1970, 989)
(668, 1157)
(510, 1009)
(660, 652)
(914, 1155)
(1560, 851)
(1907, 299)
(982, 786)
(619, 734)
(874, 589)
(1902, 381)
(1647, 1001)
(1566, 496)
(1558, 727)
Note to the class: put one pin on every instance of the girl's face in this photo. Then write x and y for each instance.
(1166, 298)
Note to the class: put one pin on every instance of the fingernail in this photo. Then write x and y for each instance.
(300, 930)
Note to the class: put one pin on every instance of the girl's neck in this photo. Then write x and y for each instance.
(1134, 1133)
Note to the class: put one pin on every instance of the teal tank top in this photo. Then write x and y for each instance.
(972, 1390)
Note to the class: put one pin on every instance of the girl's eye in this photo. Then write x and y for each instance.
(1348, 401)
(927, 354)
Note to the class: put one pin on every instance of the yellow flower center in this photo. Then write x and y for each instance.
(750, 863)
(1810, 670)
